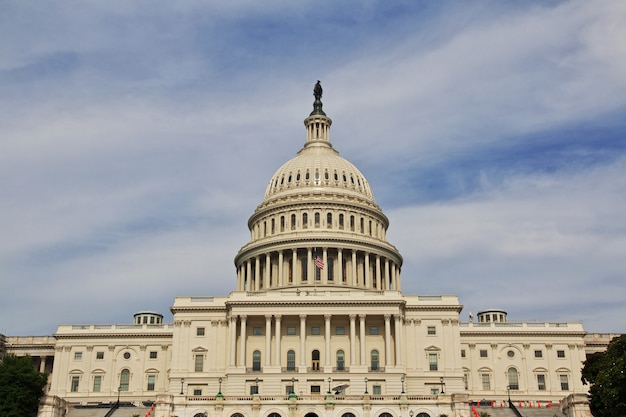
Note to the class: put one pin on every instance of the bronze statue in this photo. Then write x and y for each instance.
(317, 90)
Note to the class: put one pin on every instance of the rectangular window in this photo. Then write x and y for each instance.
(199, 363)
(200, 331)
(434, 391)
(78, 356)
(254, 389)
(151, 381)
(99, 355)
(560, 353)
(483, 353)
(374, 330)
(316, 389)
(485, 381)
(538, 354)
(97, 383)
(432, 361)
(462, 353)
(153, 354)
(340, 330)
(291, 331)
(75, 381)
(432, 330)
(289, 389)
(541, 382)
(377, 390)
(197, 392)
(315, 331)
(257, 331)
(564, 382)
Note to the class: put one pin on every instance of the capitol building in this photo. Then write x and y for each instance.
(317, 325)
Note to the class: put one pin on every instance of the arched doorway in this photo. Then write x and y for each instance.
(311, 415)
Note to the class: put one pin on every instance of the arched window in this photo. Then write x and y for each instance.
(385, 415)
(305, 220)
(513, 380)
(374, 360)
(291, 360)
(256, 360)
(236, 415)
(273, 226)
(423, 415)
(329, 220)
(274, 415)
(315, 360)
(352, 223)
(124, 380)
(317, 220)
(341, 222)
(282, 223)
(348, 415)
(293, 222)
(341, 361)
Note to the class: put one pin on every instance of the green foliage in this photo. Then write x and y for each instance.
(21, 387)
(606, 372)
(484, 414)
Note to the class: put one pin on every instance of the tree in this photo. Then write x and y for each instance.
(21, 387)
(606, 372)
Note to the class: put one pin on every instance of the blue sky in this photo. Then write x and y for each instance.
(136, 138)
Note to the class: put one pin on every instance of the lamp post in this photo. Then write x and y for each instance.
(182, 382)
(508, 391)
(293, 388)
(411, 413)
(402, 380)
(118, 395)
(329, 381)
(219, 390)
(256, 384)
(441, 382)
(366, 385)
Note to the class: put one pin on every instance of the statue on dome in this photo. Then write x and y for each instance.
(317, 105)
(317, 91)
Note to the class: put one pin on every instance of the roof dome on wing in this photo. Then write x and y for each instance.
(318, 166)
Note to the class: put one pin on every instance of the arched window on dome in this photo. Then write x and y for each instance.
(264, 228)
(293, 222)
(282, 223)
(317, 220)
(352, 223)
(273, 226)
(326, 176)
(370, 228)
(305, 220)
(298, 177)
(329, 220)
(307, 176)
(362, 225)
(341, 221)
(336, 176)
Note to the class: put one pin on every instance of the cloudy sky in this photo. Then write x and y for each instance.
(137, 137)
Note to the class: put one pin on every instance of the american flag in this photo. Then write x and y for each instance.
(318, 261)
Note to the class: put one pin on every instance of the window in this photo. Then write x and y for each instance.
(462, 353)
(257, 331)
(289, 389)
(432, 361)
(99, 355)
(434, 391)
(197, 392)
(485, 381)
(151, 381)
(374, 330)
(124, 380)
(200, 331)
(75, 381)
(483, 353)
(374, 360)
(510, 354)
(513, 380)
(97, 383)
(352, 223)
(541, 382)
(560, 353)
(199, 363)
(153, 354)
(341, 364)
(538, 354)
(315, 331)
(291, 360)
(305, 220)
(315, 389)
(315, 360)
(377, 390)
(341, 221)
(432, 330)
(126, 355)
(340, 330)
(78, 356)
(291, 331)
(293, 222)
(317, 220)
(564, 382)
(254, 389)
(329, 220)
(256, 360)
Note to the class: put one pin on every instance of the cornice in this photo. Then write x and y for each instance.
(89, 335)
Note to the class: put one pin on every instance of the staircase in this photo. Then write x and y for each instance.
(123, 411)
(526, 411)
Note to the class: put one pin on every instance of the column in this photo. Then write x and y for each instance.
(387, 276)
(302, 340)
(324, 272)
(257, 273)
(267, 280)
(280, 268)
(232, 329)
(387, 340)
(353, 269)
(277, 332)
(268, 339)
(340, 266)
(378, 274)
(366, 267)
(399, 339)
(327, 338)
(310, 273)
(294, 263)
(352, 339)
(42, 364)
(362, 338)
(242, 338)
(248, 276)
